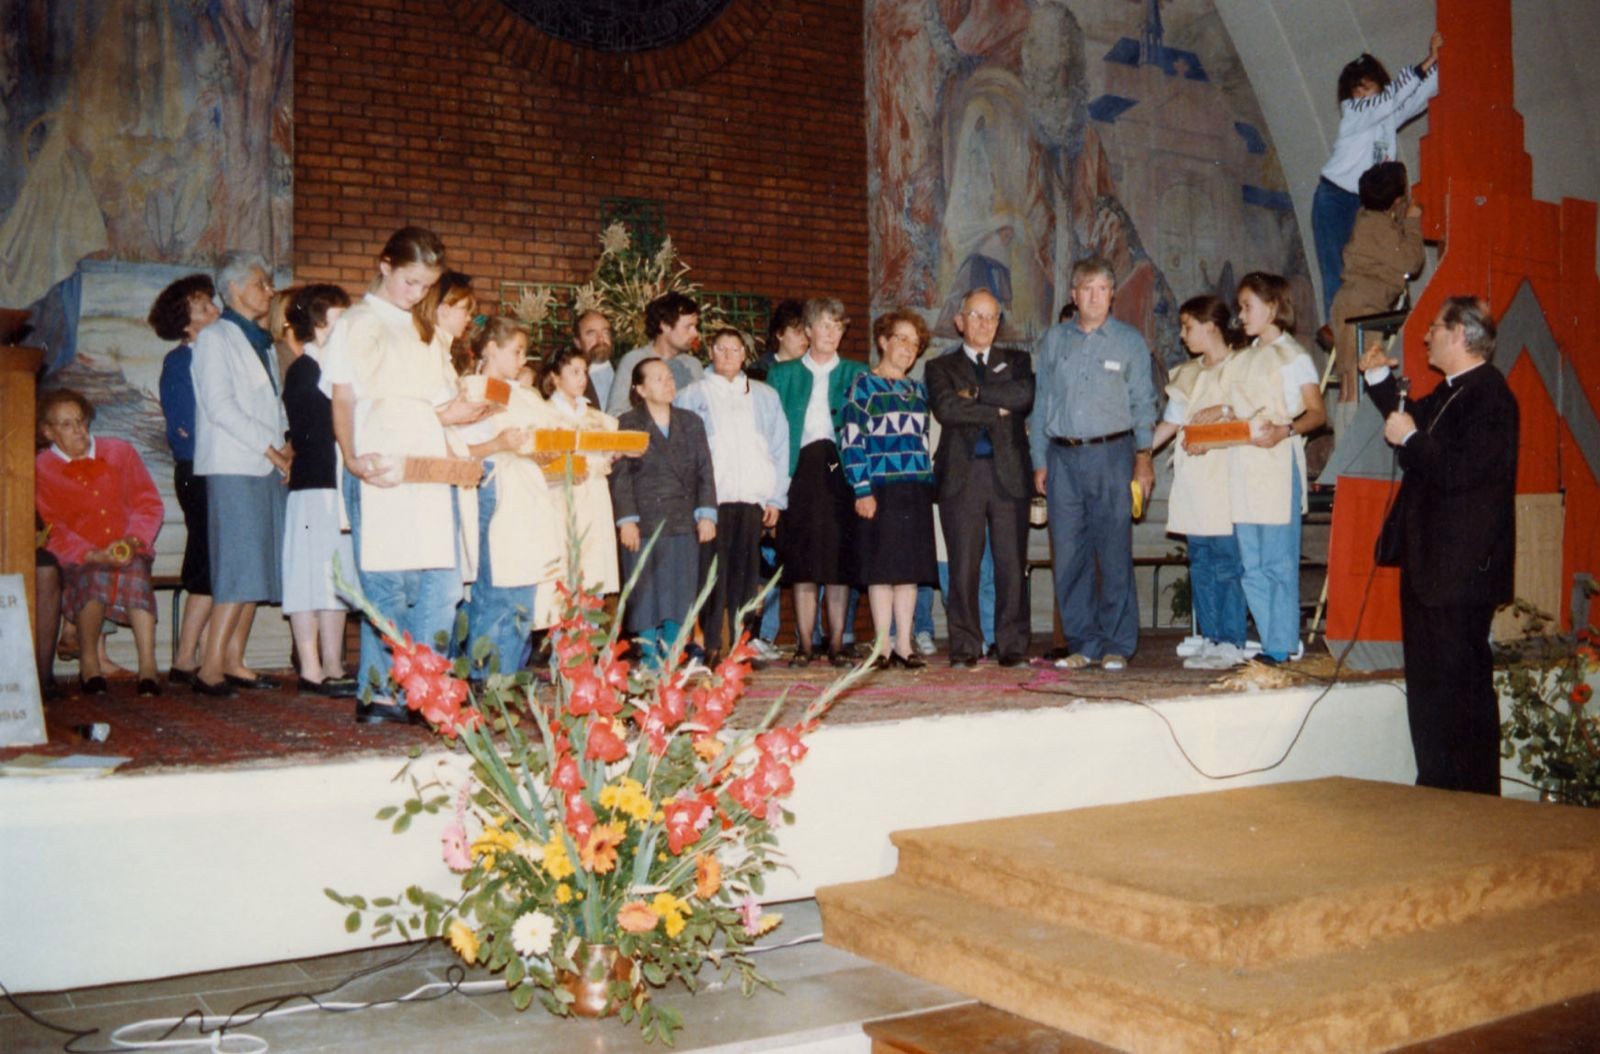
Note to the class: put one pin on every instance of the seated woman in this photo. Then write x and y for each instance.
(102, 512)
(671, 487)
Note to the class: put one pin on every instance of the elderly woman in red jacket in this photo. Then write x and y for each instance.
(102, 512)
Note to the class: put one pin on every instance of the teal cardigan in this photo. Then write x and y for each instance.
(792, 381)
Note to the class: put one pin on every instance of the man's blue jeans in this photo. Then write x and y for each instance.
(421, 602)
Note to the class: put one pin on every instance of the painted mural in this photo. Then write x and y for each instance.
(142, 139)
(1009, 138)
(141, 130)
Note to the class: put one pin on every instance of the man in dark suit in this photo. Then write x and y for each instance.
(981, 396)
(1456, 521)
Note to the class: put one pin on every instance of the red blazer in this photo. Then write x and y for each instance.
(90, 502)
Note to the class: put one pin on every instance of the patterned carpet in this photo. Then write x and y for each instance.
(181, 729)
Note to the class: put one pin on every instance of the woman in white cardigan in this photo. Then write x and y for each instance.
(241, 450)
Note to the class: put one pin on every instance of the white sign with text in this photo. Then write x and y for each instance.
(21, 713)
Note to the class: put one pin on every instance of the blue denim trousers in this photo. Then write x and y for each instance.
(1215, 590)
(1270, 554)
(422, 603)
(502, 615)
(1333, 219)
(1091, 529)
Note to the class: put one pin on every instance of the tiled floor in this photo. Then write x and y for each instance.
(823, 992)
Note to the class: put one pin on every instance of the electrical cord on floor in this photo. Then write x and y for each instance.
(221, 1032)
(1329, 682)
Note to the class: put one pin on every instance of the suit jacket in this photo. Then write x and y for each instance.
(1457, 504)
(1009, 385)
(671, 481)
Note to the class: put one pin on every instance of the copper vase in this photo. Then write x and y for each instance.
(599, 966)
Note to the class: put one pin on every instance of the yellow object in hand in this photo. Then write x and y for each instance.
(1138, 498)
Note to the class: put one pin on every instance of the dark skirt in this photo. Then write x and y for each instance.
(668, 584)
(191, 491)
(896, 546)
(816, 534)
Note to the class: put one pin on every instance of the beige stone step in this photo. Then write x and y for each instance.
(1265, 874)
(1139, 998)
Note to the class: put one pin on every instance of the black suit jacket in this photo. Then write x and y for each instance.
(1457, 504)
(1008, 385)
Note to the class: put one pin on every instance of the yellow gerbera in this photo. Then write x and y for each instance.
(463, 940)
(492, 842)
(557, 864)
(563, 894)
(627, 796)
(672, 911)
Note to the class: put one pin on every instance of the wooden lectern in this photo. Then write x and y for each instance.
(18, 367)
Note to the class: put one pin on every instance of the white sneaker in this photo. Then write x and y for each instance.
(1193, 644)
(924, 643)
(765, 650)
(1216, 657)
(1251, 649)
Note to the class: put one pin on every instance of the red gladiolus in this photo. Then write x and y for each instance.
(566, 776)
(653, 722)
(685, 819)
(400, 667)
(1581, 693)
(774, 777)
(604, 743)
(745, 791)
(674, 703)
(469, 719)
(589, 695)
(579, 816)
(421, 691)
(784, 744)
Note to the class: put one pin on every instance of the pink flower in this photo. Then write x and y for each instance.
(456, 856)
(750, 915)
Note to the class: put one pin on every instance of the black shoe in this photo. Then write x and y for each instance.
(1056, 653)
(962, 662)
(220, 690)
(991, 653)
(148, 686)
(802, 657)
(93, 686)
(329, 687)
(259, 683)
(51, 690)
(907, 662)
(380, 713)
(1012, 661)
(176, 677)
(840, 659)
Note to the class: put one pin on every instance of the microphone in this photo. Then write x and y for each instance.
(1403, 383)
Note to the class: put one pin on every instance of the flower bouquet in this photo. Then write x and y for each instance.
(1552, 729)
(614, 831)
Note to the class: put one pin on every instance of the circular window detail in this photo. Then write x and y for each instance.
(619, 26)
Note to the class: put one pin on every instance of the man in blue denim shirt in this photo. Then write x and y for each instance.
(1093, 414)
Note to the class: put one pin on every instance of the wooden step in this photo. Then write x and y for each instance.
(1135, 997)
(1266, 874)
(1331, 915)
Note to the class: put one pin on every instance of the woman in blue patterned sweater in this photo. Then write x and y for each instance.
(884, 447)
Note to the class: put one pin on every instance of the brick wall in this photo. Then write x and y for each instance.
(411, 111)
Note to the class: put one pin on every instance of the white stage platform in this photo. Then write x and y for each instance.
(140, 876)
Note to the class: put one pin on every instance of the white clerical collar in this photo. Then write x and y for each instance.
(1454, 377)
(64, 456)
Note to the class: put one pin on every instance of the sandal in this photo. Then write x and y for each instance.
(1075, 661)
